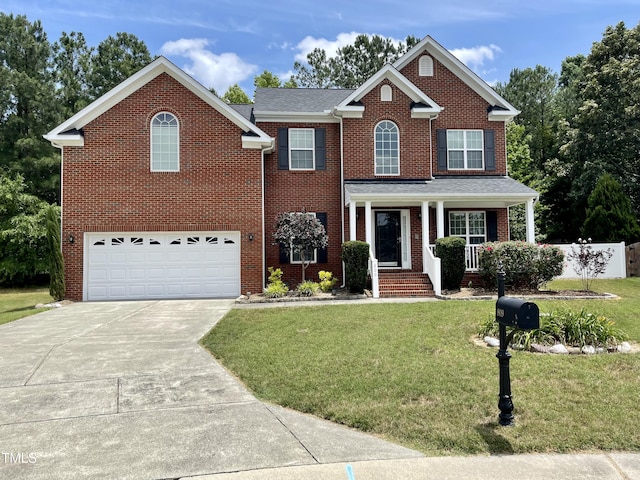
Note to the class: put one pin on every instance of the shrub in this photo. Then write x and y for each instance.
(276, 288)
(587, 262)
(327, 281)
(526, 265)
(567, 327)
(307, 288)
(56, 261)
(355, 255)
(451, 251)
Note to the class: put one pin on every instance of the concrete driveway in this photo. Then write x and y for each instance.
(122, 390)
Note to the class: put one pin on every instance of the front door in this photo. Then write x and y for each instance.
(388, 238)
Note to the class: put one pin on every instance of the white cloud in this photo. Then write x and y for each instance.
(219, 71)
(476, 56)
(309, 43)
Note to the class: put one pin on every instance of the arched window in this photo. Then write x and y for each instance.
(387, 149)
(386, 94)
(425, 67)
(165, 143)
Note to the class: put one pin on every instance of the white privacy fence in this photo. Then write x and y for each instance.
(616, 268)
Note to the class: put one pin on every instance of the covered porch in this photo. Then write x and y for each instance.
(401, 220)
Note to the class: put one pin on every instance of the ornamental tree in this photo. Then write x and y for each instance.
(300, 233)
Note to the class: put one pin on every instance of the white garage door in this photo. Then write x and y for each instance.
(121, 266)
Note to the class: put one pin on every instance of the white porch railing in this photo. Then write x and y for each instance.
(373, 271)
(432, 268)
(471, 256)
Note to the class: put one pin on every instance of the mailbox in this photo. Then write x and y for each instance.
(513, 312)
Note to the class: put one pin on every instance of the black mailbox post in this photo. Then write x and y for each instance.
(516, 313)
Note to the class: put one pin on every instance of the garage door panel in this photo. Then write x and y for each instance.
(161, 265)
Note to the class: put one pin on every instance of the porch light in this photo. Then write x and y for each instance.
(251, 237)
(72, 239)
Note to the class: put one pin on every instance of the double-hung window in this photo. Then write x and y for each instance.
(165, 143)
(465, 149)
(301, 149)
(468, 225)
(387, 161)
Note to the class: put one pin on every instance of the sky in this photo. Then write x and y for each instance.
(224, 42)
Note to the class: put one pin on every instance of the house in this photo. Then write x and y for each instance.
(168, 192)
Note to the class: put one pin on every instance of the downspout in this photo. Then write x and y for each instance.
(431, 119)
(341, 192)
(263, 151)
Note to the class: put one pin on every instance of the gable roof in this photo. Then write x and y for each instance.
(70, 131)
(500, 109)
(421, 101)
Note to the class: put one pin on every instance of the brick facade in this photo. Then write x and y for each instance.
(108, 185)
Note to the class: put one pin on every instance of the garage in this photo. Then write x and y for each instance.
(138, 266)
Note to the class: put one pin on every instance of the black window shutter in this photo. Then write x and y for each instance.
(489, 150)
(284, 256)
(441, 142)
(492, 226)
(323, 256)
(283, 149)
(321, 151)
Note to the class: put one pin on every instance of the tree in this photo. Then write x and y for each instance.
(235, 94)
(116, 59)
(23, 241)
(300, 233)
(266, 80)
(609, 214)
(604, 135)
(353, 64)
(56, 261)
(27, 106)
(72, 63)
(532, 91)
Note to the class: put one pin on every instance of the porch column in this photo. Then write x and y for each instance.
(440, 219)
(425, 233)
(367, 222)
(352, 220)
(530, 225)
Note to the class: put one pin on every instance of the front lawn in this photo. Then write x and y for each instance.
(18, 303)
(412, 374)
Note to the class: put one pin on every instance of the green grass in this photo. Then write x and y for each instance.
(412, 374)
(19, 303)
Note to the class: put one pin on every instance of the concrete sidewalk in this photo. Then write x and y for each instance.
(123, 391)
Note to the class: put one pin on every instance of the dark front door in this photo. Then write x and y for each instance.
(388, 238)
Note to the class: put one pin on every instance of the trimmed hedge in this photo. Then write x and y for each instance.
(526, 265)
(451, 251)
(355, 255)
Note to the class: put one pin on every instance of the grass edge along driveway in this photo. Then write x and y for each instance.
(16, 303)
(412, 374)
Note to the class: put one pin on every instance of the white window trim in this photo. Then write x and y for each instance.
(151, 167)
(315, 251)
(313, 150)
(465, 149)
(375, 155)
(467, 236)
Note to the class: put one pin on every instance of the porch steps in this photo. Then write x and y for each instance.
(405, 284)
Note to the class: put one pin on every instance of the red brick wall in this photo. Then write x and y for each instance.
(463, 109)
(313, 191)
(108, 185)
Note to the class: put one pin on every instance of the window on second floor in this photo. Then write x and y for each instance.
(165, 143)
(468, 225)
(301, 149)
(387, 149)
(465, 149)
